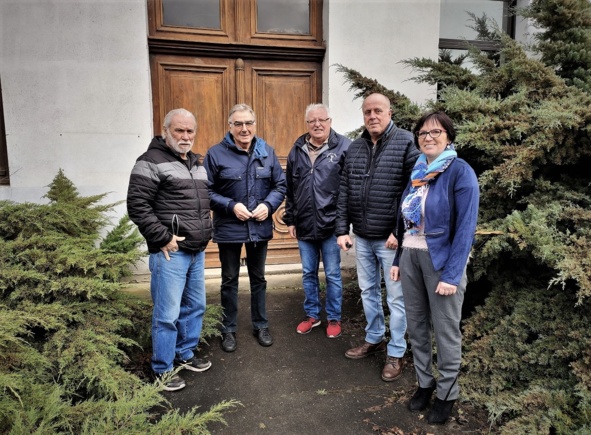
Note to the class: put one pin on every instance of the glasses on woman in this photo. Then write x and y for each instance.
(435, 133)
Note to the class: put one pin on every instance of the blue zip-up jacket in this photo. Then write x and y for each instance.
(451, 212)
(251, 178)
(312, 190)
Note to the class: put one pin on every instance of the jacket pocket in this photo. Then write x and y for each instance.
(262, 182)
(231, 174)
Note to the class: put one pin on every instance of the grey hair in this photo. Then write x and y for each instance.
(316, 106)
(241, 108)
(172, 114)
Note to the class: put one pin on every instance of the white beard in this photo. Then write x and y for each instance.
(178, 146)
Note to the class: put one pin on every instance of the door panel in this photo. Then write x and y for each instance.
(282, 91)
(278, 91)
(203, 86)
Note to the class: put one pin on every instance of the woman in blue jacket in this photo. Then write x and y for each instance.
(436, 225)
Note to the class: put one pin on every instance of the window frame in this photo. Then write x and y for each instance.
(4, 170)
(238, 36)
(462, 44)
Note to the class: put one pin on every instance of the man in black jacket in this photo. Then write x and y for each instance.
(376, 171)
(313, 171)
(168, 200)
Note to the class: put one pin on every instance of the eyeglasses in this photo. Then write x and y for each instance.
(435, 133)
(314, 121)
(240, 124)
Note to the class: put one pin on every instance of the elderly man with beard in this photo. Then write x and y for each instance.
(168, 200)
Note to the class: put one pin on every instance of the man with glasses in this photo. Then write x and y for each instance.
(376, 171)
(313, 172)
(246, 186)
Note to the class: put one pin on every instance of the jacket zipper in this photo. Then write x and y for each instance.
(366, 184)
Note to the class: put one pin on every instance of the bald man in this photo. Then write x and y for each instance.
(376, 171)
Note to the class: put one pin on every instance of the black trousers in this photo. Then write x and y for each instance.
(256, 256)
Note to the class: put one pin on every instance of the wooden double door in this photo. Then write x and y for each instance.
(277, 90)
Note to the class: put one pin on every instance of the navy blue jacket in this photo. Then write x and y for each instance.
(451, 212)
(251, 178)
(168, 195)
(312, 190)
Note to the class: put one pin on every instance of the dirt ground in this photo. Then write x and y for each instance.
(304, 384)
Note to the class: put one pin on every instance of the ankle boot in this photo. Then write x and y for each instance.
(440, 411)
(420, 399)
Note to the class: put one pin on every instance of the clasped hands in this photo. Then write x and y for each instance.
(260, 213)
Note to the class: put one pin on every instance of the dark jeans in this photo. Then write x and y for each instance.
(256, 255)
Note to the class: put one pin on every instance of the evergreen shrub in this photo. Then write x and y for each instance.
(71, 359)
(523, 118)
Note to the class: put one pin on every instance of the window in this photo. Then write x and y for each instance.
(283, 16)
(455, 26)
(203, 14)
(178, 26)
(4, 174)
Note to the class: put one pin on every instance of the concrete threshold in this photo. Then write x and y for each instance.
(279, 276)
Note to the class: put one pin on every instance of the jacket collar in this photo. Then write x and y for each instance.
(259, 147)
(158, 142)
(384, 137)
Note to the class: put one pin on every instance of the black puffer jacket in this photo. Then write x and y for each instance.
(168, 195)
(312, 190)
(372, 182)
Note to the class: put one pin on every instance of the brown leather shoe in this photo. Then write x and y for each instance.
(366, 349)
(392, 369)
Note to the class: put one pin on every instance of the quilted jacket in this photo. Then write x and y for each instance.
(168, 195)
(372, 182)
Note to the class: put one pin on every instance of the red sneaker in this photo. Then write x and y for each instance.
(333, 330)
(307, 325)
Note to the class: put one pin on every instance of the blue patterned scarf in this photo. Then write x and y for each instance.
(422, 174)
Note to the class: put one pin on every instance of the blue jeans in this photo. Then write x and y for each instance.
(178, 293)
(331, 259)
(370, 255)
(256, 255)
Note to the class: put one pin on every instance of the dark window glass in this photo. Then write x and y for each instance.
(283, 16)
(203, 14)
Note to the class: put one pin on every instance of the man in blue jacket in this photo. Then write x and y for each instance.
(246, 186)
(313, 172)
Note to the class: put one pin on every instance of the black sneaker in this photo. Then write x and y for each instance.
(263, 336)
(194, 364)
(169, 382)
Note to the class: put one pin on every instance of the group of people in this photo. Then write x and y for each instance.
(411, 203)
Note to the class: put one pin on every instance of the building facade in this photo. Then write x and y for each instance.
(85, 84)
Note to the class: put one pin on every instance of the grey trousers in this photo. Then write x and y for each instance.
(426, 309)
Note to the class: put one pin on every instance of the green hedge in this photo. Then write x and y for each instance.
(73, 346)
